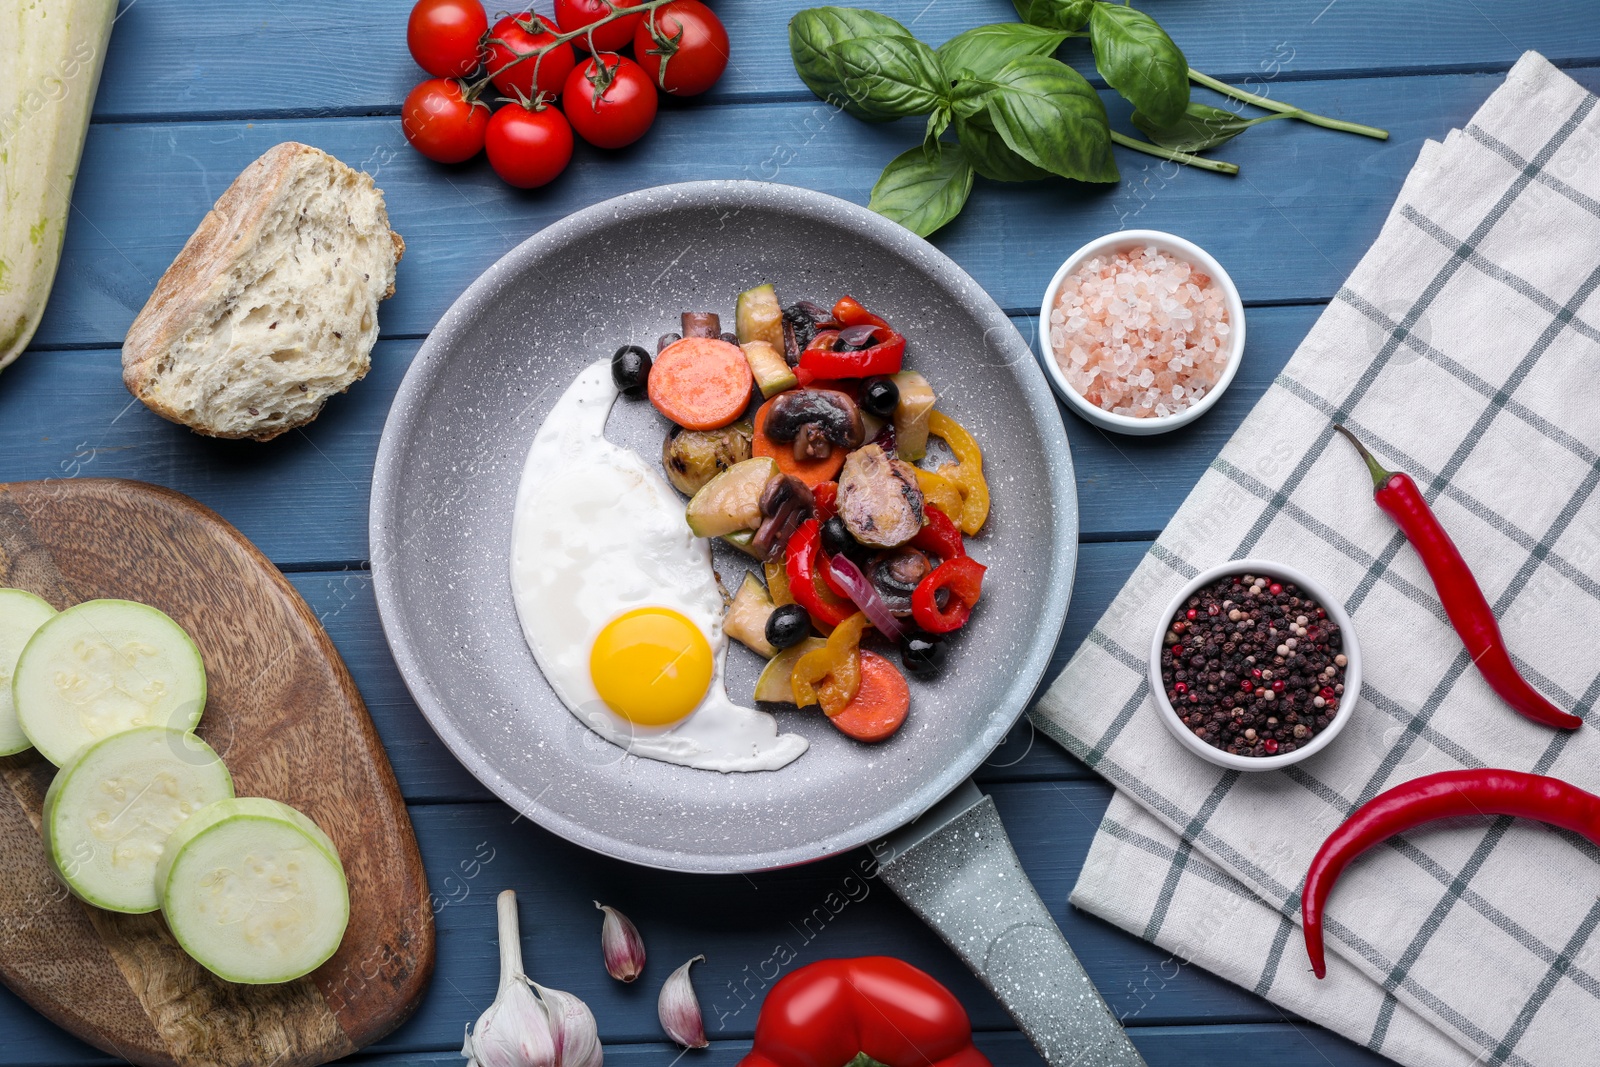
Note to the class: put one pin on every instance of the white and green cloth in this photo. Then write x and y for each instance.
(1465, 350)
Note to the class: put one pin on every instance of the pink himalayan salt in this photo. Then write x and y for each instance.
(1140, 333)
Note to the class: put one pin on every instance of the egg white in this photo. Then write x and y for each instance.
(597, 532)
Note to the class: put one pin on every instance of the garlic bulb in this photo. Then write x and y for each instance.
(621, 945)
(529, 1025)
(679, 1008)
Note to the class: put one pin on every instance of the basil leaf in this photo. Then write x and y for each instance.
(989, 153)
(1200, 127)
(983, 50)
(938, 122)
(923, 191)
(1054, 14)
(813, 31)
(1137, 59)
(889, 77)
(1050, 116)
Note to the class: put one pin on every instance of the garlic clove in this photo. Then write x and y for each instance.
(577, 1035)
(679, 1008)
(514, 1032)
(621, 945)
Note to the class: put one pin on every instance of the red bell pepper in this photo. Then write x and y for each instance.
(850, 312)
(805, 578)
(885, 357)
(962, 579)
(825, 498)
(940, 536)
(830, 1012)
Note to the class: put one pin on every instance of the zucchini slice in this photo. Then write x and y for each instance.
(103, 667)
(109, 812)
(21, 613)
(254, 891)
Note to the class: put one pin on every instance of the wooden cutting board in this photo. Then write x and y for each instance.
(290, 725)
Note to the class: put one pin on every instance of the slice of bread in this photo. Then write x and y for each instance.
(272, 306)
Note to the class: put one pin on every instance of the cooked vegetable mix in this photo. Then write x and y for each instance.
(856, 542)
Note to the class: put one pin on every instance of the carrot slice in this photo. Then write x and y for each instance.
(811, 471)
(701, 383)
(881, 703)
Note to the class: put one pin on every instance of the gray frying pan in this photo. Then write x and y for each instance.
(445, 483)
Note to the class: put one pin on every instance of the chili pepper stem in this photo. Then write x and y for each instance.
(1379, 475)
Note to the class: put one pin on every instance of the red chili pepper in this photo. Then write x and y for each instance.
(850, 312)
(1463, 600)
(805, 579)
(827, 1013)
(962, 578)
(885, 357)
(1446, 795)
(940, 536)
(825, 500)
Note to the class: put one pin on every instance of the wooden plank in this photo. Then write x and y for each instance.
(303, 498)
(175, 58)
(1290, 229)
(744, 925)
(1235, 1044)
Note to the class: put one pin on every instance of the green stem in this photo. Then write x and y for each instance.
(1287, 109)
(1185, 158)
(538, 54)
(1379, 475)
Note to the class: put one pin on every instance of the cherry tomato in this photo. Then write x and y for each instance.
(441, 123)
(610, 100)
(510, 40)
(528, 147)
(683, 47)
(613, 36)
(446, 36)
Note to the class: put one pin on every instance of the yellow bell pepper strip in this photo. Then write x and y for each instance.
(967, 473)
(831, 676)
(939, 491)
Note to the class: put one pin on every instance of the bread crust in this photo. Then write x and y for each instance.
(228, 233)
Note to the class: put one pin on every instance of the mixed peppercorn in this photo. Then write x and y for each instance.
(1253, 666)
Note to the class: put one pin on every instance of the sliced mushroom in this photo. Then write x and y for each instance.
(878, 498)
(800, 322)
(701, 324)
(896, 575)
(816, 420)
(786, 502)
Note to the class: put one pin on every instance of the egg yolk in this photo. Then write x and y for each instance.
(652, 666)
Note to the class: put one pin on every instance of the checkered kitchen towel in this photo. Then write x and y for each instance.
(1465, 349)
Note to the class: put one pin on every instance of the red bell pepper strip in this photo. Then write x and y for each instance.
(825, 500)
(962, 579)
(885, 357)
(1446, 795)
(805, 578)
(939, 536)
(850, 312)
(1463, 599)
(827, 1013)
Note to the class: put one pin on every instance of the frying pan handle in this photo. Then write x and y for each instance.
(964, 880)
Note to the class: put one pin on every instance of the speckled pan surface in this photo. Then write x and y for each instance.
(452, 453)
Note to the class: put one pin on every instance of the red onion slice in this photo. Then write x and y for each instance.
(866, 597)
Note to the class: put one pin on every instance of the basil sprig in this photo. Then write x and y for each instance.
(1016, 112)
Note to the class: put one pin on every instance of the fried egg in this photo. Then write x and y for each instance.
(618, 601)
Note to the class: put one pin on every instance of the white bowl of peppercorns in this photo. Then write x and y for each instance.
(1255, 665)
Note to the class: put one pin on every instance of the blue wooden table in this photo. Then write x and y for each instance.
(193, 91)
